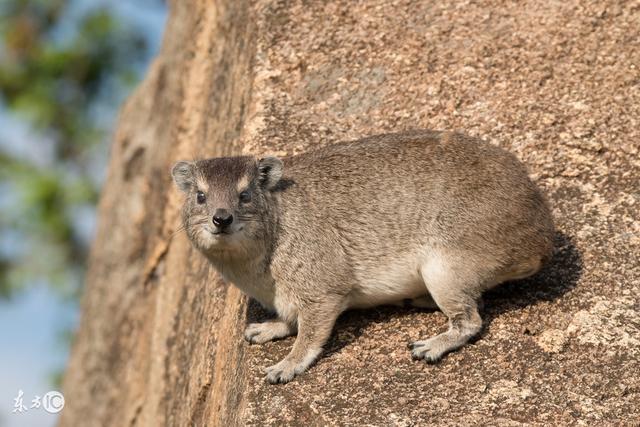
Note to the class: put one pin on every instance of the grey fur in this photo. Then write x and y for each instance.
(432, 216)
(182, 173)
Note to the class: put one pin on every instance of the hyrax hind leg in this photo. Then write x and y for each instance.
(455, 288)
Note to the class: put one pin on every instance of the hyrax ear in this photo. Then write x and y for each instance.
(182, 173)
(270, 171)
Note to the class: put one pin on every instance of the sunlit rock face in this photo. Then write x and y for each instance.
(556, 84)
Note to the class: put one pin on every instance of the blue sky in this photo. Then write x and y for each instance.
(32, 322)
(30, 327)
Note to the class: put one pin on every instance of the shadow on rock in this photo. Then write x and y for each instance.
(559, 276)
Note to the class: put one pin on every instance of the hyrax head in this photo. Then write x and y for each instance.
(226, 198)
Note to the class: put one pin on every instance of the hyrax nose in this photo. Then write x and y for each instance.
(222, 218)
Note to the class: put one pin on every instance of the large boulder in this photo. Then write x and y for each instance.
(557, 83)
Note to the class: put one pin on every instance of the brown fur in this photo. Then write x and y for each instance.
(435, 216)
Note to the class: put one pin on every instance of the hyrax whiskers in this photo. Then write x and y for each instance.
(435, 216)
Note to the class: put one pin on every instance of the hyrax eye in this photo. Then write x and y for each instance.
(200, 198)
(245, 196)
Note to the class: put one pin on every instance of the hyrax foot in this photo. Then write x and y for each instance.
(259, 333)
(281, 372)
(459, 333)
(285, 370)
(432, 349)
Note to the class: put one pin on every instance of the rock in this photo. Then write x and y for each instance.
(614, 322)
(552, 340)
(556, 83)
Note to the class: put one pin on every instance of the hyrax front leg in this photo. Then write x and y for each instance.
(260, 333)
(455, 291)
(315, 323)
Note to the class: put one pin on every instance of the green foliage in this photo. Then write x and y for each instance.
(59, 79)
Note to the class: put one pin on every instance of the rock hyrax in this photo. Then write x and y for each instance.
(433, 216)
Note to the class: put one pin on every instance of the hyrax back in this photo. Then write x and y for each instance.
(430, 215)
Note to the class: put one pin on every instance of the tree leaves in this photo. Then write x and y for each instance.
(66, 82)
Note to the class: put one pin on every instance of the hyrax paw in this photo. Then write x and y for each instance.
(259, 333)
(281, 372)
(426, 350)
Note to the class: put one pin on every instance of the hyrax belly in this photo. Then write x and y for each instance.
(388, 282)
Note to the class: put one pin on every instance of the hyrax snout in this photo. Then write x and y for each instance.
(432, 216)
